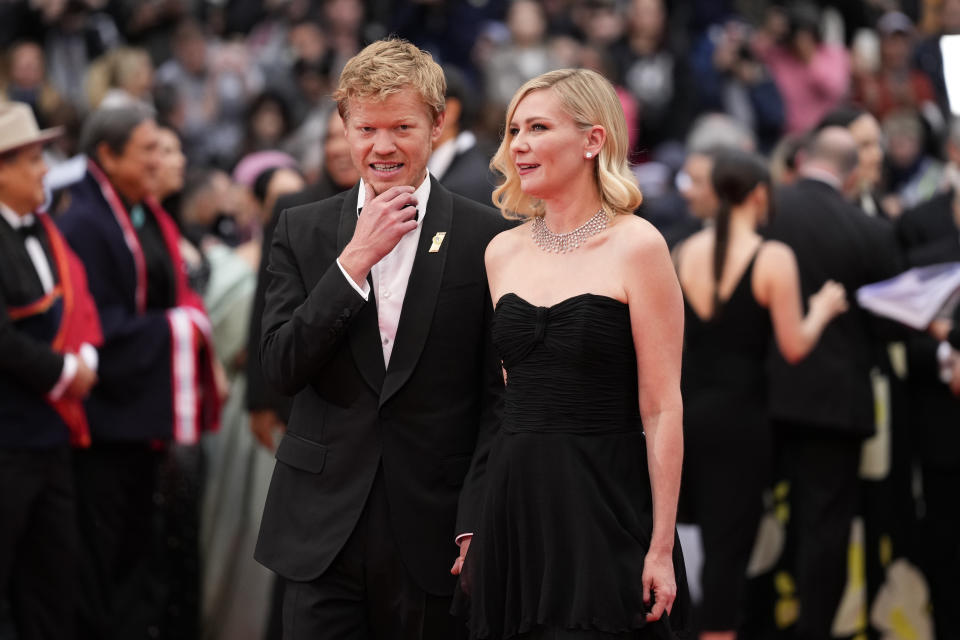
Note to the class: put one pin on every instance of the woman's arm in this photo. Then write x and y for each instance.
(656, 317)
(777, 287)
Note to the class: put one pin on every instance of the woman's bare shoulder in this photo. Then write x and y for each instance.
(506, 243)
(636, 238)
(774, 253)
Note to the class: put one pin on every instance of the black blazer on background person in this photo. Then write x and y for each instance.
(421, 419)
(469, 175)
(832, 239)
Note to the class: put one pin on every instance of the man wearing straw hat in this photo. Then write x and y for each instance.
(48, 329)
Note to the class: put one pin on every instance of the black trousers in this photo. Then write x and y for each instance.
(367, 593)
(823, 475)
(38, 542)
(941, 547)
(116, 488)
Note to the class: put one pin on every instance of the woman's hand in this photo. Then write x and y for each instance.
(830, 301)
(659, 584)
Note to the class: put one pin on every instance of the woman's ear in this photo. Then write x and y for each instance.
(596, 136)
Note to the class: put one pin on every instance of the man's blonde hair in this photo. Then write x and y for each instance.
(387, 67)
(590, 100)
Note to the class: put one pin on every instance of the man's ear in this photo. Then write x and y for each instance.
(437, 130)
(106, 157)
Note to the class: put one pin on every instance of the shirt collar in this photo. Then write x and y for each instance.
(13, 219)
(422, 194)
(442, 157)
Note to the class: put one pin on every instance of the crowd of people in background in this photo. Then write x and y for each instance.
(830, 129)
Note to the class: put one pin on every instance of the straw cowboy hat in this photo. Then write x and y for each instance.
(18, 127)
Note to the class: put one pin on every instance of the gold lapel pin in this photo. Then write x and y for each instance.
(437, 241)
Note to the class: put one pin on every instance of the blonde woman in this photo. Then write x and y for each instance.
(577, 536)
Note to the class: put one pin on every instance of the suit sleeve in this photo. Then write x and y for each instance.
(31, 361)
(301, 328)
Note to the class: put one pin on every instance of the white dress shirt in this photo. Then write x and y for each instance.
(391, 274)
(42, 265)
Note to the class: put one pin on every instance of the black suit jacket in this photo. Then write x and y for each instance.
(29, 367)
(469, 175)
(830, 390)
(427, 419)
(259, 394)
(929, 235)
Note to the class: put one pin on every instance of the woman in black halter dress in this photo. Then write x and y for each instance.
(738, 290)
(577, 537)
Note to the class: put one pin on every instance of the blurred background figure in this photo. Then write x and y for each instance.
(928, 235)
(813, 76)
(823, 407)
(457, 161)
(213, 83)
(866, 183)
(742, 297)
(147, 400)
(49, 334)
(656, 74)
(895, 84)
(121, 77)
(25, 80)
(732, 80)
(914, 176)
(268, 123)
(523, 55)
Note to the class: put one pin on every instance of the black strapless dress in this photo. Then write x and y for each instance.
(567, 516)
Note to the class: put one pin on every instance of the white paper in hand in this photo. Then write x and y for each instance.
(915, 296)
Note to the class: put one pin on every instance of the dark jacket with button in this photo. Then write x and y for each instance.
(427, 420)
(29, 367)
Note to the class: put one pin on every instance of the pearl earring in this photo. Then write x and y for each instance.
(589, 155)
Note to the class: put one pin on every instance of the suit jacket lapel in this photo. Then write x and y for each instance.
(364, 331)
(422, 290)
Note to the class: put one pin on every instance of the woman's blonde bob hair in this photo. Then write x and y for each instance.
(590, 100)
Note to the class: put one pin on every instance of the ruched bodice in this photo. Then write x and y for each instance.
(557, 357)
(567, 516)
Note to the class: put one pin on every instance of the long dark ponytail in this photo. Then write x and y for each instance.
(735, 175)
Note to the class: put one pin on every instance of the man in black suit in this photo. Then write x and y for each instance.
(823, 406)
(930, 234)
(458, 160)
(44, 377)
(377, 320)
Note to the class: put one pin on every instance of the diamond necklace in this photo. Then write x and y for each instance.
(565, 242)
